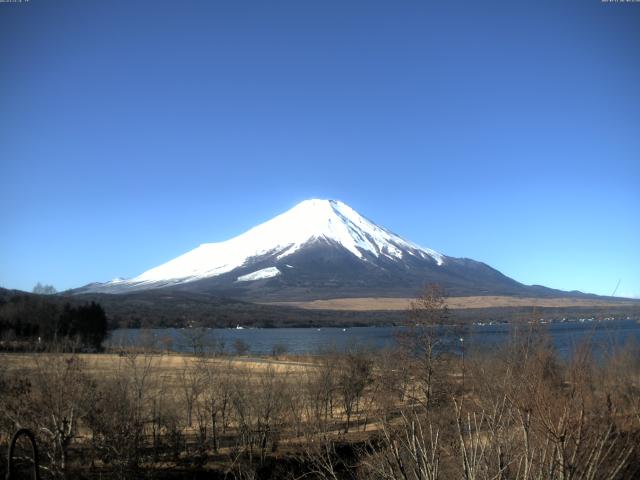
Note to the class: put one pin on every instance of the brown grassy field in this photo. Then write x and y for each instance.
(378, 303)
(100, 364)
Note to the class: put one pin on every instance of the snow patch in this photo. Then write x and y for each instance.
(259, 275)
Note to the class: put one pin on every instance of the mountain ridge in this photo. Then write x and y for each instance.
(320, 249)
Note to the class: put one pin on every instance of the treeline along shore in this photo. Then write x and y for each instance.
(26, 315)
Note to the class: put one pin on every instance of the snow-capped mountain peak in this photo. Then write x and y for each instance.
(310, 221)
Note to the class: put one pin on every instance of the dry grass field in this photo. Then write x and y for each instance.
(378, 303)
(167, 368)
(101, 363)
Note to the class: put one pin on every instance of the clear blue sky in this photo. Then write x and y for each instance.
(507, 132)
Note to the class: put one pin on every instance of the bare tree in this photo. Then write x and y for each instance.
(354, 375)
(427, 314)
(195, 338)
(406, 450)
(192, 383)
(217, 393)
(279, 349)
(53, 404)
(241, 347)
(320, 388)
(121, 407)
(44, 289)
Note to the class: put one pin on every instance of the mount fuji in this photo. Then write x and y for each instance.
(319, 249)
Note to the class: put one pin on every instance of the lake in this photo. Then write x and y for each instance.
(564, 336)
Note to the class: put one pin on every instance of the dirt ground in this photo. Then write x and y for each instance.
(376, 304)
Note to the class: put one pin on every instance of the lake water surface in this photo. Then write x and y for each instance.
(564, 336)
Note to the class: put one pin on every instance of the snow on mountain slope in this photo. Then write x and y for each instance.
(309, 221)
(263, 273)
